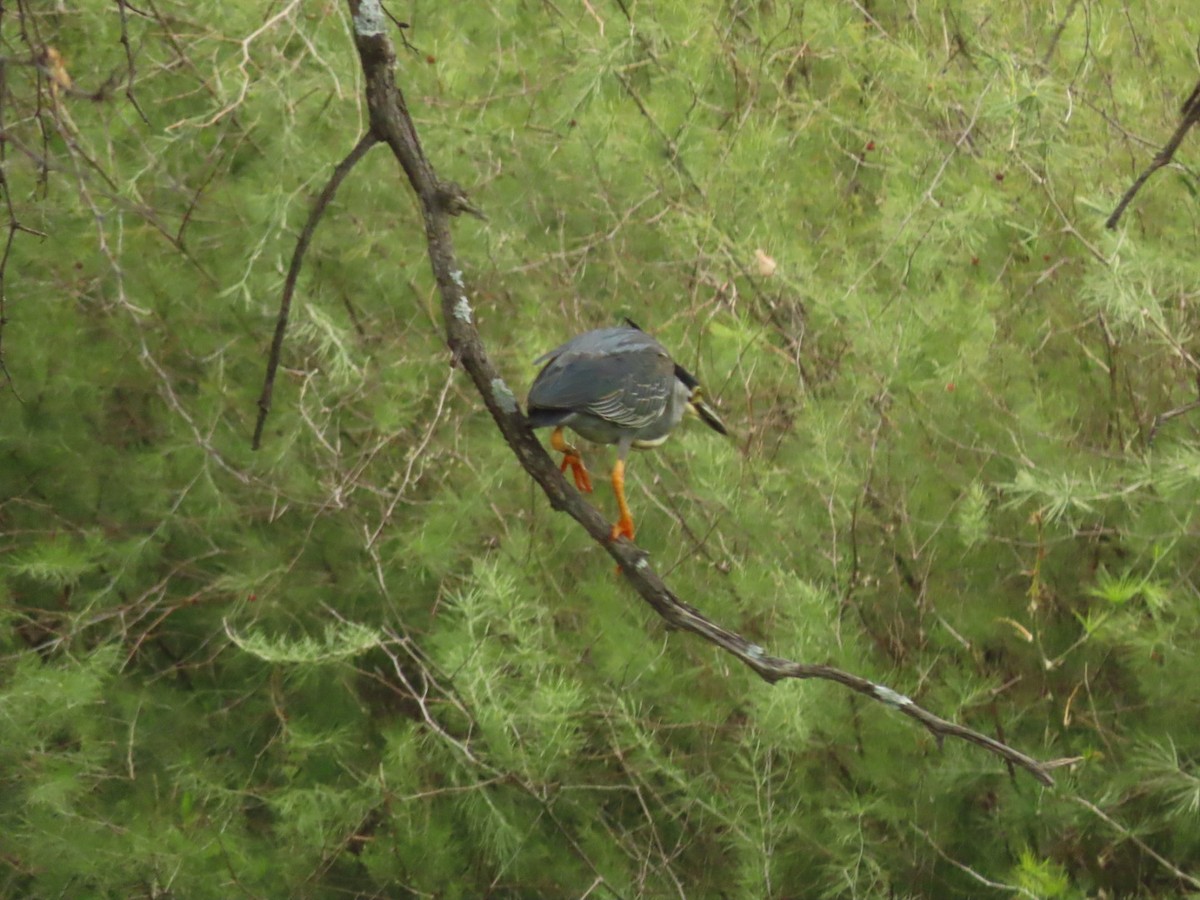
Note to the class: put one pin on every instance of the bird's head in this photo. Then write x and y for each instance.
(695, 403)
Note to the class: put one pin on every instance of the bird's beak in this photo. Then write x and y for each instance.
(707, 414)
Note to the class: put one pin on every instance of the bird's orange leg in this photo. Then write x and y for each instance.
(624, 526)
(571, 457)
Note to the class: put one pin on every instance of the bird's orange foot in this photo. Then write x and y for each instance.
(583, 481)
(623, 528)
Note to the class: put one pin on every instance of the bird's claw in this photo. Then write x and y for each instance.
(623, 528)
(583, 481)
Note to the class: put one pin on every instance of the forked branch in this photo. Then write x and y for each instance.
(390, 123)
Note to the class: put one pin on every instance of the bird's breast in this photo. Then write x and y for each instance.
(652, 443)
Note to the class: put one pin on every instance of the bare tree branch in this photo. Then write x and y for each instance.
(391, 123)
(1190, 116)
(365, 143)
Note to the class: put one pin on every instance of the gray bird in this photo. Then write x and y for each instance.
(614, 386)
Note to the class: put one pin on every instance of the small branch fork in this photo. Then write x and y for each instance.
(1189, 116)
(390, 123)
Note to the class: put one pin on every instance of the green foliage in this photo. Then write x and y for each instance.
(369, 661)
(342, 641)
(1042, 878)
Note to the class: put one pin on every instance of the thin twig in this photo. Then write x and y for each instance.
(962, 867)
(130, 68)
(365, 143)
(1058, 31)
(1163, 418)
(1142, 845)
(1190, 116)
(12, 224)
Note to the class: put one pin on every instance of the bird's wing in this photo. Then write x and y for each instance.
(619, 375)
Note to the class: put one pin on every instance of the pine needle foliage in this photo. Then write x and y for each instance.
(369, 661)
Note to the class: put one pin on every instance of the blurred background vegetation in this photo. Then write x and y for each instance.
(369, 661)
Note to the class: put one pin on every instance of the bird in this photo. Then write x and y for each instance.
(614, 385)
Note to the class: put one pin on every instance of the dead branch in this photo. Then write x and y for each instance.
(391, 123)
(1190, 113)
(365, 143)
